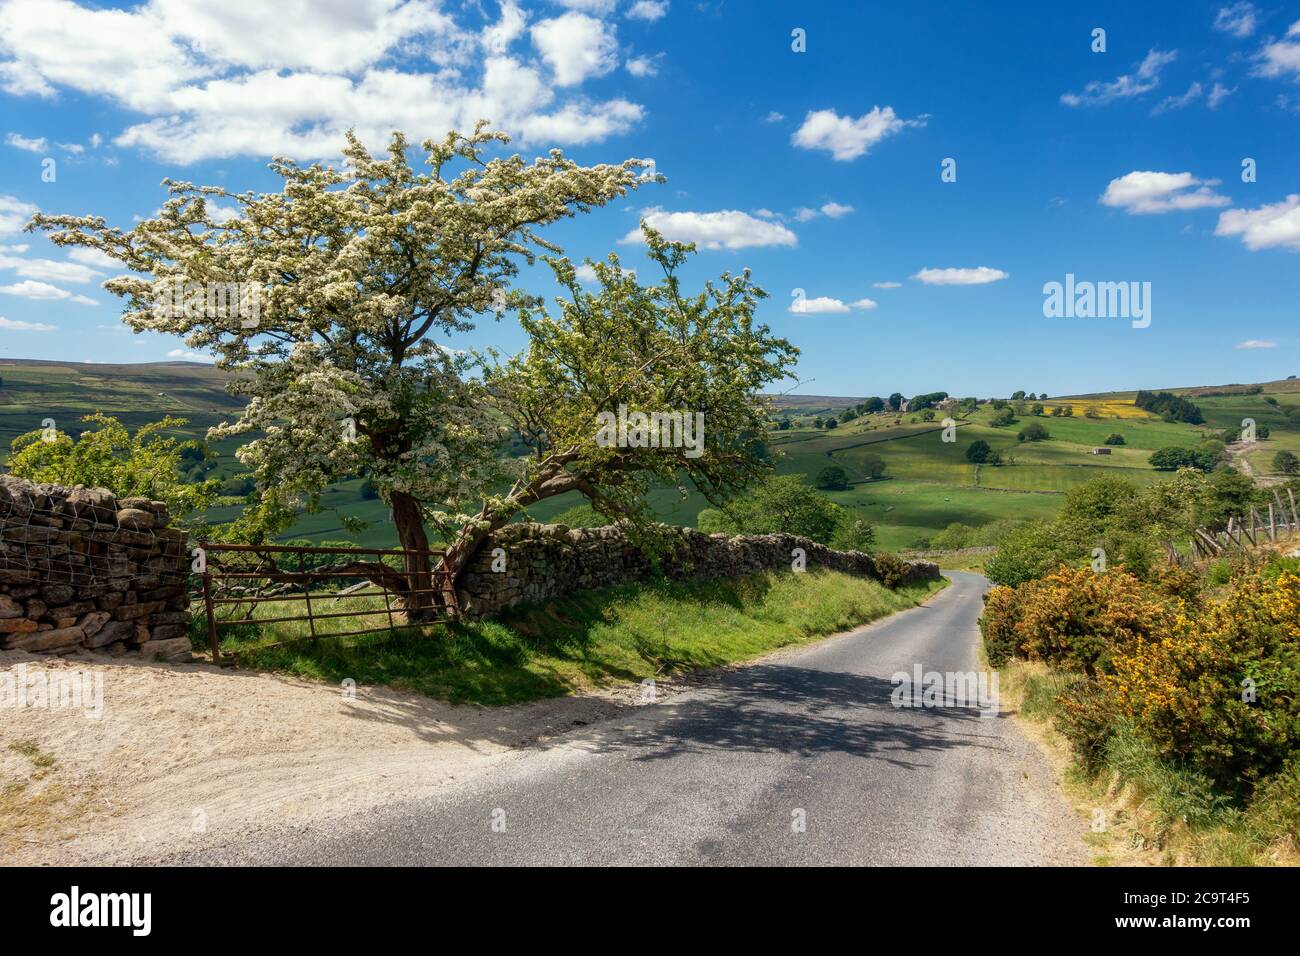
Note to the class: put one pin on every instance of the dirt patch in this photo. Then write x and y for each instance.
(183, 756)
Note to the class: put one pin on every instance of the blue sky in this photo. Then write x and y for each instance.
(820, 170)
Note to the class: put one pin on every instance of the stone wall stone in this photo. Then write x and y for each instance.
(542, 562)
(82, 570)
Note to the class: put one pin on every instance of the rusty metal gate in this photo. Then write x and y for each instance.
(236, 579)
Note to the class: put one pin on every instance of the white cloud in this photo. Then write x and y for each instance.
(13, 325)
(1281, 56)
(773, 117)
(93, 258)
(211, 79)
(187, 356)
(1178, 102)
(19, 80)
(1268, 227)
(831, 210)
(1141, 193)
(49, 269)
(827, 305)
(1238, 19)
(37, 145)
(328, 37)
(725, 229)
(1143, 80)
(598, 7)
(15, 214)
(978, 276)
(648, 10)
(886, 285)
(43, 291)
(848, 138)
(643, 65)
(221, 214)
(575, 47)
(586, 273)
(818, 306)
(1256, 344)
(1218, 94)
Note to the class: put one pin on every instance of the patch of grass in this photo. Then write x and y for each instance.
(34, 804)
(29, 749)
(587, 640)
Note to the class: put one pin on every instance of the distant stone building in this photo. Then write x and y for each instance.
(1100, 450)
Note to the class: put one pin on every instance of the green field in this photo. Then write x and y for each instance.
(928, 482)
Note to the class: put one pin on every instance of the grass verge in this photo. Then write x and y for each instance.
(587, 640)
(1144, 810)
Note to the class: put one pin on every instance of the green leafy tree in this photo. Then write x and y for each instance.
(646, 349)
(979, 452)
(1115, 438)
(782, 504)
(146, 464)
(1287, 463)
(832, 478)
(871, 465)
(1033, 432)
(785, 505)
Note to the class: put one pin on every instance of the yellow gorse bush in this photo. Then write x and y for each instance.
(1221, 688)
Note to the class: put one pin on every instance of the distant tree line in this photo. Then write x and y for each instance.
(1169, 406)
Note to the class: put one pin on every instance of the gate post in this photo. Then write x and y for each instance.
(212, 619)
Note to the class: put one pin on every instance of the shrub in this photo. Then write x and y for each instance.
(1184, 690)
(1287, 463)
(953, 537)
(892, 570)
(1076, 618)
(1115, 438)
(1033, 432)
(1086, 717)
(1030, 551)
(978, 451)
(998, 625)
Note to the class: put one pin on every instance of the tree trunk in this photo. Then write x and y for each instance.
(418, 601)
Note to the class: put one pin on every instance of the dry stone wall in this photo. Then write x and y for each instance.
(540, 562)
(82, 570)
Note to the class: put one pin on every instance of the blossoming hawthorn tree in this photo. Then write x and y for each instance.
(356, 270)
(650, 350)
(359, 268)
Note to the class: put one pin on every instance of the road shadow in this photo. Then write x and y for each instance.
(777, 708)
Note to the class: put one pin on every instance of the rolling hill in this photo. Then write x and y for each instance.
(928, 482)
